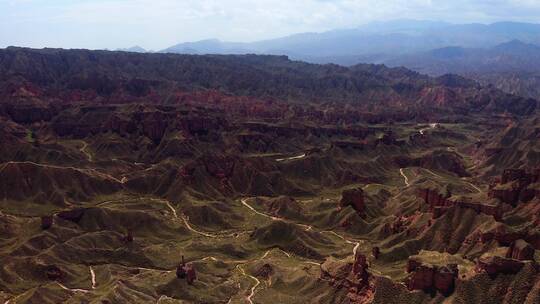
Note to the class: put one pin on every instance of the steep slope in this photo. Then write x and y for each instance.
(119, 77)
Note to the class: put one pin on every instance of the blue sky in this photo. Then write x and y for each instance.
(156, 24)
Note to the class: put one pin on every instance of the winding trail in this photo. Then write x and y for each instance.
(72, 289)
(431, 126)
(257, 283)
(185, 219)
(188, 226)
(85, 152)
(355, 243)
(404, 177)
(168, 204)
(90, 172)
(291, 158)
(462, 179)
(244, 202)
(93, 276)
(473, 186)
(305, 227)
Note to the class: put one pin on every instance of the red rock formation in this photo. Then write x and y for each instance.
(431, 278)
(520, 250)
(360, 268)
(440, 204)
(186, 173)
(376, 252)
(191, 274)
(154, 126)
(181, 271)
(513, 186)
(73, 215)
(53, 273)
(502, 235)
(444, 279)
(354, 145)
(265, 271)
(497, 265)
(128, 238)
(46, 222)
(389, 138)
(186, 271)
(352, 276)
(219, 167)
(421, 278)
(354, 198)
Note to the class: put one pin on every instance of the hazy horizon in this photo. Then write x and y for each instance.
(155, 25)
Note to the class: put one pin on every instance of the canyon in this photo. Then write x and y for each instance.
(165, 178)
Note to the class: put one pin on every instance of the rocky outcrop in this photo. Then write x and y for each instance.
(352, 276)
(440, 160)
(285, 206)
(431, 278)
(29, 113)
(355, 199)
(389, 138)
(514, 186)
(495, 265)
(520, 250)
(445, 278)
(376, 252)
(265, 271)
(53, 273)
(73, 215)
(46, 222)
(507, 237)
(186, 271)
(439, 204)
(353, 145)
(128, 237)
(421, 278)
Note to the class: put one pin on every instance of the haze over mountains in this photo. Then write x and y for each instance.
(379, 38)
(504, 54)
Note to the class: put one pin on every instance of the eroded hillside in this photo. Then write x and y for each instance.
(275, 182)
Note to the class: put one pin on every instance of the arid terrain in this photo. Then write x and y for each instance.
(276, 181)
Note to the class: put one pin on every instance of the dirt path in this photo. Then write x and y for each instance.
(253, 288)
(72, 289)
(406, 179)
(291, 158)
(473, 186)
(355, 243)
(85, 152)
(188, 226)
(431, 126)
(305, 227)
(93, 276)
(91, 172)
(167, 203)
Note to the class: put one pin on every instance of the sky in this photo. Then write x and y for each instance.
(158, 24)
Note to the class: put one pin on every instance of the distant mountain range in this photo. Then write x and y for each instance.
(375, 40)
(506, 57)
(133, 49)
(505, 54)
(512, 66)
